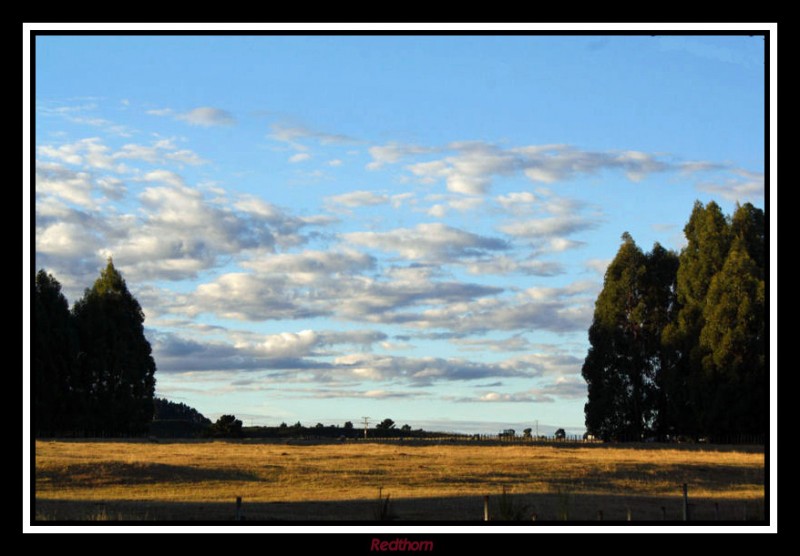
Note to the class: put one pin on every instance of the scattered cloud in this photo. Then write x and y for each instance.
(429, 242)
(207, 116)
(597, 265)
(475, 164)
(160, 112)
(295, 136)
(92, 153)
(355, 199)
(504, 265)
(562, 388)
(746, 186)
(299, 157)
(393, 153)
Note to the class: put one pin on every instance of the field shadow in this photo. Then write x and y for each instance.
(554, 508)
(121, 473)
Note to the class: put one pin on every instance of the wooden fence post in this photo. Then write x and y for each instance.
(685, 502)
(599, 515)
(630, 517)
(238, 508)
(486, 508)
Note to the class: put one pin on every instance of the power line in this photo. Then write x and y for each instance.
(366, 425)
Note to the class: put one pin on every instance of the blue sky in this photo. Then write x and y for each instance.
(324, 228)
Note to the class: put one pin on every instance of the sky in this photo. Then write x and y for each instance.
(326, 228)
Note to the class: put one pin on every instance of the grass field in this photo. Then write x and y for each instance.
(200, 480)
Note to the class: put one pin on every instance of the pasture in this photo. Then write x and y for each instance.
(341, 481)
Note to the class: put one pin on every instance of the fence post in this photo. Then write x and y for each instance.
(685, 502)
(716, 511)
(630, 517)
(486, 508)
(599, 515)
(663, 513)
(238, 508)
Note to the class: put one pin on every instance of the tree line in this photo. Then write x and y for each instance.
(678, 340)
(93, 372)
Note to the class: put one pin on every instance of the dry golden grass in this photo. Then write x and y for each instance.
(287, 480)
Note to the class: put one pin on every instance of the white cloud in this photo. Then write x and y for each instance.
(294, 135)
(164, 176)
(392, 153)
(503, 265)
(93, 154)
(517, 201)
(437, 211)
(548, 227)
(434, 242)
(299, 157)
(160, 112)
(355, 199)
(748, 186)
(476, 164)
(310, 266)
(75, 187)
(207, 116)
(598, 265)
(335, 162)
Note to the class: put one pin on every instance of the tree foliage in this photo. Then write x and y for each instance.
(172, 411)
(93, 369)
(385, 425)
(677, 344)
(54, 342)
(227, 426)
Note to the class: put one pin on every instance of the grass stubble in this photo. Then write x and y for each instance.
(199, 480)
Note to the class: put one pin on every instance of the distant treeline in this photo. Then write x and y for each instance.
(678, 341)
(181, 421)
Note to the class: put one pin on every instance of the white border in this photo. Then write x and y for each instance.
(391, 532)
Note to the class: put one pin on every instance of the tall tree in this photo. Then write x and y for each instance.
(54, 346)
(115, 366)
(626, 357)
(708, 241)
(613, 366)
(733, 337)
(660, 303)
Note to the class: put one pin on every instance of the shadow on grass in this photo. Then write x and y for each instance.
(119, 473)
(560, 507)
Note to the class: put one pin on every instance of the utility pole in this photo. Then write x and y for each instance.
(366, 425)
(537, 428)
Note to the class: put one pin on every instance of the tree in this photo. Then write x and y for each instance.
(385, 425)
(734, 342)
(527, 433)
(115, 370)
(55, 400)
(406, 428)
(560, 434)
(227, 426)
(708, 238)
(613, 368)
(167, 410)
(627, 356)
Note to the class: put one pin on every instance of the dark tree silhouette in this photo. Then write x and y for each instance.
(55, 394)
(227, 426)
(385, 425)
(115, 371)
(678, 344)
(167, 410)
